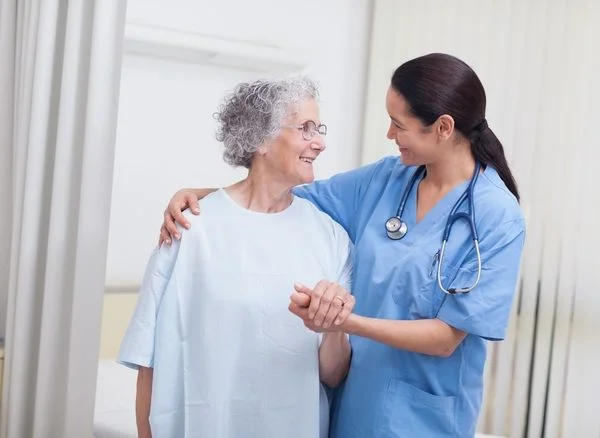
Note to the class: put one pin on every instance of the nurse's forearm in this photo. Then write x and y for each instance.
(427, 336)
(142, 402)
(334, 358)
(202, 193)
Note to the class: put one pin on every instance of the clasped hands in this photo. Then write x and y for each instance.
(325, 308)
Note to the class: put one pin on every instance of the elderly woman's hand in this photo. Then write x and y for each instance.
(324, 308)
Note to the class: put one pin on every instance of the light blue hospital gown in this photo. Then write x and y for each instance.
(229, 359)
(394, 393)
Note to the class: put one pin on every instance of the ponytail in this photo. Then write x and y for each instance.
(438, 84)
(488, 150)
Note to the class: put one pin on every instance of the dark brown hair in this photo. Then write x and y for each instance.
(438, 84)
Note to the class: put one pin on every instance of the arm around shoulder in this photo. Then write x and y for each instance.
(342, 195)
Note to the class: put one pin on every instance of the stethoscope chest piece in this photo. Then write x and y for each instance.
(395, 228)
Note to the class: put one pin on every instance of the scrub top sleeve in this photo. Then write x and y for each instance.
(340, 195)
(137, 346)
(485, 310)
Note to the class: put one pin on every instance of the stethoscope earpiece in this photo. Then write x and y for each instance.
(395, 228)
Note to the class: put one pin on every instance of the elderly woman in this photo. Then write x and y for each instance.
(218, 353)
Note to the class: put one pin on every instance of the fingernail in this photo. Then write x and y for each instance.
(177, 236)
(196, 211)
(187, 226)
(168, 242)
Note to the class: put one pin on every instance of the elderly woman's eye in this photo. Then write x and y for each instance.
(309, 126)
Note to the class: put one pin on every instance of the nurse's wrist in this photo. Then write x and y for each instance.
(352, 324)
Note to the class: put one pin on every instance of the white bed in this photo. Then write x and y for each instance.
(114, 415)
(115, 397)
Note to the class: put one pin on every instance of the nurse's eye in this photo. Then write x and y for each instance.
(397, 126)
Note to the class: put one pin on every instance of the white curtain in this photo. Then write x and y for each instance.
(60, 69)
(539, 61)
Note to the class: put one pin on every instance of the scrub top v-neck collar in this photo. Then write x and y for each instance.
(435, 217)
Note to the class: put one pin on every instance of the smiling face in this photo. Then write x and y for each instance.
(417, 143)
(289, 157)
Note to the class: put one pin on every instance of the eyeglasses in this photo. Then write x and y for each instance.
(309, 129)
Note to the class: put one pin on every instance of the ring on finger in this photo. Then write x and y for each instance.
(341, 299)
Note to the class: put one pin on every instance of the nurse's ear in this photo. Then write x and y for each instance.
(444, 127)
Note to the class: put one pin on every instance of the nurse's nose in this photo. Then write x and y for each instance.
(391, 132)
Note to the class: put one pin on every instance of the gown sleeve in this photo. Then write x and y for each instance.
(485, 310)
(137, 346)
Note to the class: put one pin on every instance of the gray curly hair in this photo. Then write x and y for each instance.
(253, 112)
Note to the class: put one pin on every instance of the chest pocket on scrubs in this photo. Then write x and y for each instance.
(419, 294)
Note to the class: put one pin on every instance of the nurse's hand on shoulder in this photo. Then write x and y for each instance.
(182, 200)
(324, 308)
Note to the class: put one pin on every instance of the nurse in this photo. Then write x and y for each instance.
(418, 353)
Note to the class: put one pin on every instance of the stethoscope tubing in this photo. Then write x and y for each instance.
(396, 228)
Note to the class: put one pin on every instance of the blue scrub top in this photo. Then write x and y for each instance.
(395, 393)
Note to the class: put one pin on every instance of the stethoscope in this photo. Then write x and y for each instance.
(396, 228)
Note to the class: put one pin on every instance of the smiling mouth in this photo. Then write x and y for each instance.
(308, 160)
